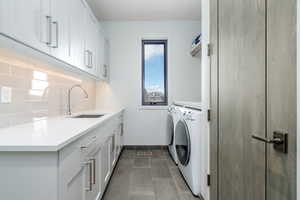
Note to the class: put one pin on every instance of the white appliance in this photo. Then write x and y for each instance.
(192, 150)
(173, 117)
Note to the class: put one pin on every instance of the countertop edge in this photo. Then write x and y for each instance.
(56, 148)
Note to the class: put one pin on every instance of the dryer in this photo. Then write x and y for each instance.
(192, 150)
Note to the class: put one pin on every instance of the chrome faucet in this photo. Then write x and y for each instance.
(69, 97)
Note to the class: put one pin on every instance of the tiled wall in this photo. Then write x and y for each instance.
(39, 92)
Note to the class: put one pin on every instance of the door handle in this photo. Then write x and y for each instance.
(279, 141)
(269, 141)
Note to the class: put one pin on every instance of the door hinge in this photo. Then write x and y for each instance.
(208, 179)
(208, 49)
(208, 115)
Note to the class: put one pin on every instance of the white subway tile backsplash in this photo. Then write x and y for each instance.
(40, 92)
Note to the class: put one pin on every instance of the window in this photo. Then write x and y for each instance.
(154, 72)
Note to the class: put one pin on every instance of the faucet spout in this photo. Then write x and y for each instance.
(69, 97)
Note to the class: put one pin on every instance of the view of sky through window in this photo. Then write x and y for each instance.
(154, 72)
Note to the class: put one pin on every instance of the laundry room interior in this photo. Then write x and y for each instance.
(149, 100)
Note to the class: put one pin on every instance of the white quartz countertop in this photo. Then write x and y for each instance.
(50, 134)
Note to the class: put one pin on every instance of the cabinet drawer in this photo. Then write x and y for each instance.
(71, 158)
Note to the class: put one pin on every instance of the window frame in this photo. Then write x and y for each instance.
(158, 42)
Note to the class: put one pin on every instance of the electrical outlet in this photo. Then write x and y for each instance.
(6, 94)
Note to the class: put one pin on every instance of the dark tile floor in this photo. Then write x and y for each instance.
(147, 175)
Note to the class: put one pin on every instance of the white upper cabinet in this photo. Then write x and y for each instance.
(103, 57)
(91, 42)
(60, 29)
(77, 33)
(27, 21)
(106, 65)
(6, 17)
(101, 53)
(64, 29)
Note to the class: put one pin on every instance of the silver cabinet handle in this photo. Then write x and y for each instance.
(92, 141)
(91, 58)
(88, 58)
(90, 187)
(113, 143)
(122, 129)
(55, 23)
(94, 171)
(49, 30)
(105, 70)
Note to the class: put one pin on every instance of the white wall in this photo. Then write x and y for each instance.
(145, 126)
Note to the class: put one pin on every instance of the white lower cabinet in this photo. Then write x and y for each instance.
(79, 171)
(105, 163)
(92, 176)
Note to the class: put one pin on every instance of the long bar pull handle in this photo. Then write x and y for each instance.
(56, 34)
(49, 30)
(91, 59)
(105, 71)
(94, 171)
(86, 58)
(90, 187)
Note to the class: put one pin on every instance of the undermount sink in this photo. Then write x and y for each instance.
(88, 116)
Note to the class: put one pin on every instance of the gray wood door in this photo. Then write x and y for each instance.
(256, 94)
(281, 97)
(241, 99)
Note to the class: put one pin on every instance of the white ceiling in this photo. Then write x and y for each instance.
(146, 9)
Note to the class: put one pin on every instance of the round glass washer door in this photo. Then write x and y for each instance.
(183, 143)
(170, 129)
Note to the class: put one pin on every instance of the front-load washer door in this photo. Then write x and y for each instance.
(183, 143)
(170, 129)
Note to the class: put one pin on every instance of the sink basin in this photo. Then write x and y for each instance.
(88, 116)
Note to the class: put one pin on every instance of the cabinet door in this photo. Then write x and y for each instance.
(60, 44)
(6, 17)
(92, 177)
(113, 151)
(100, 56)
(105, 163)
(106, 59)
(90, 46)
(98, 176)
(95, 49)
(30, 21)
(71, 173)
(77, 34)
(74, 189)
(103, 59)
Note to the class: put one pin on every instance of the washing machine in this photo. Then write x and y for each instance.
(192, 150)
(172, 120)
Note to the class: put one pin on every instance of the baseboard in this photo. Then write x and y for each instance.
(145, 147)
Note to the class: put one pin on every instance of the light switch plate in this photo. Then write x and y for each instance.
(6, 94)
